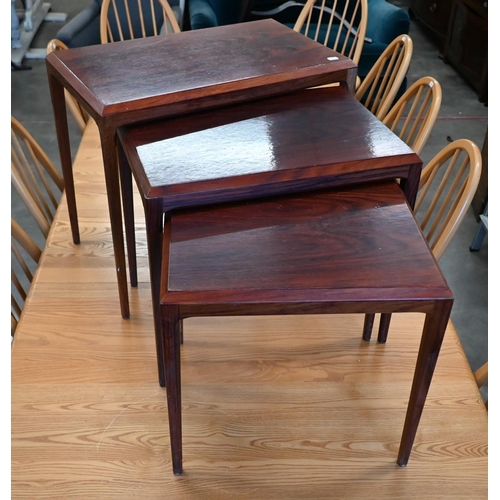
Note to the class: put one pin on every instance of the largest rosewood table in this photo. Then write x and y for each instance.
(295, 142)
(354, 250)
(140, 80)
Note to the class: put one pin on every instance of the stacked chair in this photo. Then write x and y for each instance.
(39, 185)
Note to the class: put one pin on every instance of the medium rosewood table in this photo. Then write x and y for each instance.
(300, 141)
(353, 250)
(140, 80)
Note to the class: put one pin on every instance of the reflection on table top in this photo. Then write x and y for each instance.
(274, 407)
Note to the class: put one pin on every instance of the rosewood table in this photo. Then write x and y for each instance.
(300, 141)
(140, 80)
(353, 250)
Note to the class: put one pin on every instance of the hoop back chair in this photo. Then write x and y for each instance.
(130, 19)
(39, 186)
(447, 185)
(380, 87)
(413, 116)
(77, 112)
(481, 378)
(21, 276)
(338, 24)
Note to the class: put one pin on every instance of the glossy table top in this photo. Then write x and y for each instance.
(349, 244)
(307, 138)
(127, 76)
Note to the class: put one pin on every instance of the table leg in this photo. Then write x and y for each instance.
(128, 212)
(430, 344)
(153, 211)
(383, 329)
(62, 132)
(172, 361)
(410, 184)
(368, 326)
(110, 160)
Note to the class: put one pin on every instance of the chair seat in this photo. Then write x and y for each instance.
(331, 246)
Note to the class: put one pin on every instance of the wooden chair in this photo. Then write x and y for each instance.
(79, 114)
(413, 116)
(380, 87)
(447, 185)
(39, 185)
(21, 275)
(130, 19)
(338, 24)
(481, 377)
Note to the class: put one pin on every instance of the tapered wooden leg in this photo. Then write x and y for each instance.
(181, 331)
(111, 174)
(172, 360)
(368, 326)
(61, 123)
(432, 338)
(128, 212)
(383, 329)
(153, 210)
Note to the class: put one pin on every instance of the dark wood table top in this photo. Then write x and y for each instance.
(195, 68)
(350, 244)
(307, 139)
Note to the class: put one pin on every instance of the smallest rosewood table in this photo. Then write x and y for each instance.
(356, 250)
(139, 80)
(295, 142)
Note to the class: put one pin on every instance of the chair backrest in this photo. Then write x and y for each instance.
(34, 177)
(338, 24)
(413, 116)
(447, 185)
(130, 19)
(39, 186)
(380, 87)
(22, 246)
(481, 377)
(77, 112)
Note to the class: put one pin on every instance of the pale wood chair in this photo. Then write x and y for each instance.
(34, 176)
(77, 112)
(413, 116)
(447, 185)
(39, 185)
(21, 275)
(130, 19)
(481, 378)
(338, 24)
(379, 89)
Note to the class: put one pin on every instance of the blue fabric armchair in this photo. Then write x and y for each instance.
(211, 13)
(385, 22)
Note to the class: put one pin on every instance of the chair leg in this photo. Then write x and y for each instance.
(383, 329)
(170, 325)
(368, 326)
(128, 213)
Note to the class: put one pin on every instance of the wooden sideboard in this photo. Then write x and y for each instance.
(466, 47)
(434, 14)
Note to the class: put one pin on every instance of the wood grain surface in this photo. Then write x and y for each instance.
(273, 407)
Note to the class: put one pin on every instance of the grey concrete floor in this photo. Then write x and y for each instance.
(461, 116)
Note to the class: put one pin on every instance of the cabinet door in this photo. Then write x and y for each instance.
(467, 44)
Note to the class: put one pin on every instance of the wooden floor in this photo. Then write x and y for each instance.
(273, 407)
